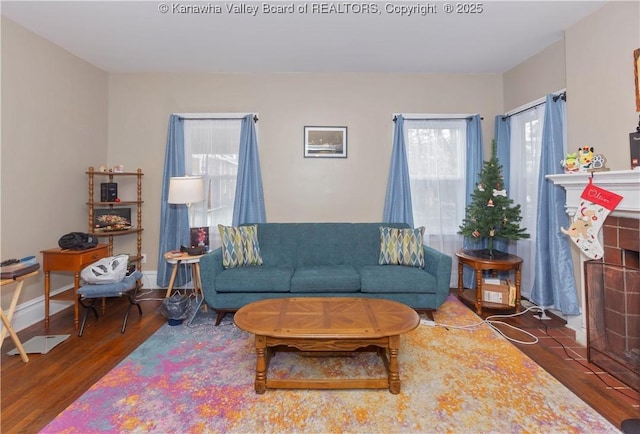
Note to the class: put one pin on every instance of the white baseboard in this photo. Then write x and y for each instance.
(577, 324)
(32, 311)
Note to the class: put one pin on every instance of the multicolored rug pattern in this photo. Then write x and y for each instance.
(200, 380)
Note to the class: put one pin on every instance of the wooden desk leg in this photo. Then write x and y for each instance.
(479, 292)
(14, 337)
(76, 302)
(47, 288)
(394, 370)
(261, 364)
(172, 279)
(12, 309)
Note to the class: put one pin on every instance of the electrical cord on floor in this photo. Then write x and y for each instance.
(141, 296)
(493, 321)
(564, 348)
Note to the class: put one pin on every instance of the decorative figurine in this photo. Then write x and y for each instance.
(570, 163)
(585, 155)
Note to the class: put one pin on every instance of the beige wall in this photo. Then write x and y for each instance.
(536, 77)
(601, 110)
(54, 123)
(295, 188)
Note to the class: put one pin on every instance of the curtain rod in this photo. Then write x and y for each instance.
(562, 96)
(255, 119)
(468, 118)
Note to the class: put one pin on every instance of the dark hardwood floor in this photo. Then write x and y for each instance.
(34, 393)
(559, 354)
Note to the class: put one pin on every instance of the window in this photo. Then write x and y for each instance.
(211, 151)
(436, 156)
(525, 149)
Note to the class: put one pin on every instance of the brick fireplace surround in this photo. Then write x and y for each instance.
(612, 285)
(613, 302)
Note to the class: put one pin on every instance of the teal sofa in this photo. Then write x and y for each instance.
(324, 259)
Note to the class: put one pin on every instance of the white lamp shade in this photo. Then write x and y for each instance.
(185, 190)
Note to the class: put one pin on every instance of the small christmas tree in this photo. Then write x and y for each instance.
(491, 213)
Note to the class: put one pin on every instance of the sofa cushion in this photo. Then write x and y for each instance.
(325, 278)
(239, 246)
(401, 246)
(396, 278)
(254, 279)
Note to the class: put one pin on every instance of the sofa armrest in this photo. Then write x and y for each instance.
(439, 265)
(210, 267)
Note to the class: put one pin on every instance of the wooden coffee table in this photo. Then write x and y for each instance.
(327, 324)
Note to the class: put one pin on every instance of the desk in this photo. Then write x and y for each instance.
(480, 263)
(177, 258)
(68, 260)
(6, 319)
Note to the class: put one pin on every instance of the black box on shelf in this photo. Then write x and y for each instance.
(634, 144)
(108, 191)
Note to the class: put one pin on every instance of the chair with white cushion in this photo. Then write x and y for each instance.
(128, 287)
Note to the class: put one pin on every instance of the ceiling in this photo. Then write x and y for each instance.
(135, 36)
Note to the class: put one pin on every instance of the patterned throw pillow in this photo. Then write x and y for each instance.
(401, 246)
(389, 253)
(240, 246)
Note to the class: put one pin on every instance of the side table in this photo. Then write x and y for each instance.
(177, 258)
(479, 263)
(6, 318)
(68, 260)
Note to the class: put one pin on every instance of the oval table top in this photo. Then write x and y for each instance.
(326, 317)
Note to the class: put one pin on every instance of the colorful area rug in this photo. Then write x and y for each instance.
(200, 379)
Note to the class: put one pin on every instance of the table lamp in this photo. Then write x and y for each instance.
(185, 190)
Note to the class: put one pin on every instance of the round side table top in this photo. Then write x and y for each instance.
(482, 256)
(173, 257)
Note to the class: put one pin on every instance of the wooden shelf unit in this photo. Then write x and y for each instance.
(135, 203)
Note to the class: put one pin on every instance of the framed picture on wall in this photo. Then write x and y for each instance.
(325, 142)
(636, 70)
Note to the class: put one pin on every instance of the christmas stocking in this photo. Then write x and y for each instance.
(595, 206)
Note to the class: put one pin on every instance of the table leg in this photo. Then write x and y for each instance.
(479, 292)
(198, 281)
(47, 288)
(172, 279)
(194, 280)
(394, 370)
(12, 309)
(14, 337)
(261, 364)
(76, 301)
(460, 278)
(518, 277)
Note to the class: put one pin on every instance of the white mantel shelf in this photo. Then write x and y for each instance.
(626, 183)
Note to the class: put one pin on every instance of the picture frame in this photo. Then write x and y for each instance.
(111, 219)
(325, 142)
(199, 237)
(636, 70)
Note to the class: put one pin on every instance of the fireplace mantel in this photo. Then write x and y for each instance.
(626, 183)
